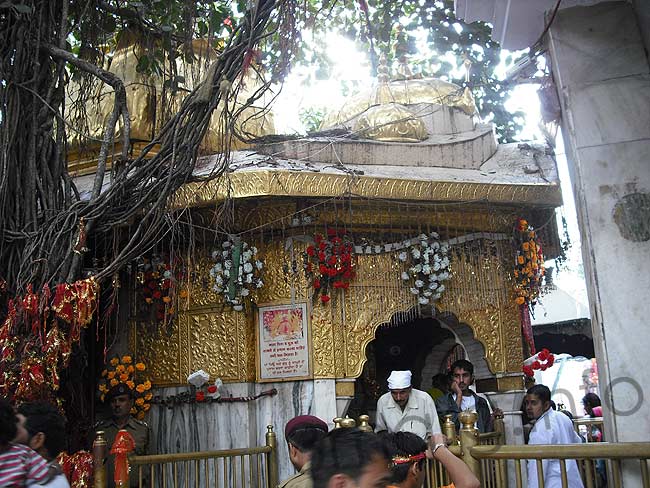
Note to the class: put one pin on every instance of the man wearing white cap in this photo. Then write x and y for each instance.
(405, 409)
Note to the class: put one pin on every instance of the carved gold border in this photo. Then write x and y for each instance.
(257, 183)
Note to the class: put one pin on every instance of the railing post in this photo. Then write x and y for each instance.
(469, 439)
(501, 468)
(99, 460)
(449, 429)
(364, 423)
(272, 462)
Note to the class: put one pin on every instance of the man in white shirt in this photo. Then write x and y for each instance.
(550, 427)
(405, 409)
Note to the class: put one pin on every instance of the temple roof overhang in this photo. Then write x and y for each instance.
(517, 174)
(520, 174)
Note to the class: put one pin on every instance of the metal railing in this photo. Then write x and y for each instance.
(248, 467)
(637, 453)
(592, 425)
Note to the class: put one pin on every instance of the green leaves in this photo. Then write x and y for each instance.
(448, 40)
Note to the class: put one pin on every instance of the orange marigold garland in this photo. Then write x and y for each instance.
(528, 274)
(123, 369)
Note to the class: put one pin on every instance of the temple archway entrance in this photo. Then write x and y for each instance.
(425, 345)
(412, 345)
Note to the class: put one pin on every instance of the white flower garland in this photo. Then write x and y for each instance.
(428, 267)
(247, 277)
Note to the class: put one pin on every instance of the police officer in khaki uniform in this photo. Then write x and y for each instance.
(120, 398)
(302, 433)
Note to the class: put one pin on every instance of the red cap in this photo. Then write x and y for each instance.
(304, 422)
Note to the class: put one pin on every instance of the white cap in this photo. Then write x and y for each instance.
(399, 380)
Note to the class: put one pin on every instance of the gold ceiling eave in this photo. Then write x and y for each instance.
(282, 183)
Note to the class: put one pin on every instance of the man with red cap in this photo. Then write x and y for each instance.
(302, 433)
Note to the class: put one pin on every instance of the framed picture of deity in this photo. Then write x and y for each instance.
(283, 342)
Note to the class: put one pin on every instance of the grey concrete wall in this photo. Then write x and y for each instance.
(602, 75)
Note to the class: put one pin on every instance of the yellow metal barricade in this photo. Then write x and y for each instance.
(255, 467)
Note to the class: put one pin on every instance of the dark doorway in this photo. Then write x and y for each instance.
(398, 347)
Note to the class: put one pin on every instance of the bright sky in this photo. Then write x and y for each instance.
(351, 68)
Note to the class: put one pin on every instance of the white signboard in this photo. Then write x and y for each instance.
(283, 342)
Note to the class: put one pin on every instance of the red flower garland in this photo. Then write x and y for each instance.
(330, 263)
(543, 360)
(157, 283)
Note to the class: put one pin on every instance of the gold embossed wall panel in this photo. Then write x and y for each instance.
(222, 342)
(214, 343)
(165, 354)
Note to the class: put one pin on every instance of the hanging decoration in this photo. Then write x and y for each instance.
(427, 267)
(330, 263)
(77, 467)
(528, 274)
(541, 361)
(204, 392)
(124, 370)
(237, 272)
(156, 285)
(37, 335)
(529, 265)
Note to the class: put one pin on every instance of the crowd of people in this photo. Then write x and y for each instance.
(407, 433)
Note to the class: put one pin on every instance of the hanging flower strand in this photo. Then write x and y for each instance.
(330, 263)
(237, 272)
(126, 371)
(529, 265)
(428, 267)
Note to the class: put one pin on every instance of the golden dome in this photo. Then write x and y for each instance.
(146, 99)
(390, 122)
(405, 92)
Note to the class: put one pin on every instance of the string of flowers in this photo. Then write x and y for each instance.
(157, 280)
(237, 272)
(528, 274)
(124, 370)
(541, 361)
(529, 264)
(428, 267)
(330, 263)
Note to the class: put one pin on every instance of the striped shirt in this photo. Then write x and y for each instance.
(20, 466)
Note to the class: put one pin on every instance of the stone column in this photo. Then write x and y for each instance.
(510, 403)
(603, 81)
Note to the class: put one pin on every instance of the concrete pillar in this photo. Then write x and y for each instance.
(603, 81)
(510, 403)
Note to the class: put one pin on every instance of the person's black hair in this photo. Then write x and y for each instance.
(541, 391)
(305, 439)
(403, 444)
(344, 451)
(591, 400)
(8, 421)
(44, 417)
(440, 381)
(464, 364)
(553, 405)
